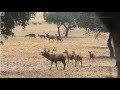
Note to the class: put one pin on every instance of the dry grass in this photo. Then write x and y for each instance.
(20, 56)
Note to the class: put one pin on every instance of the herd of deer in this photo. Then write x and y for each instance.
(50, 37)
(53, 57)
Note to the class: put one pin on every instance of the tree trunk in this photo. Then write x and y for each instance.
(66, 33)
(59, 31)
(116, 40)
(67, 29)
(110, 46)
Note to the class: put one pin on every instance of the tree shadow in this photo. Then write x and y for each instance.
(104, 57)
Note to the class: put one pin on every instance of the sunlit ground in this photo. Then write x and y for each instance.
(20, 57)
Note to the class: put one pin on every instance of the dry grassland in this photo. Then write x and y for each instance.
(21, 58)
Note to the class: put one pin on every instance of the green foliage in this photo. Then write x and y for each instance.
(72, 19)
(90, 20)
(58, 17)
(65, 19)
(11, 19)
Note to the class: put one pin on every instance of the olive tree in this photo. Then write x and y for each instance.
(11, 19)
(65, 19)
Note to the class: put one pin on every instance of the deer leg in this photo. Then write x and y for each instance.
(68, 60)
(64, 64)
(72, 61)
(56, 65)
(89, 59)
(51, 64)
(75, 63)
(81, 63)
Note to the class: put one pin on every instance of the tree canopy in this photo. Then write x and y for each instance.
(11, 19)
(65, 19)
(71, 20)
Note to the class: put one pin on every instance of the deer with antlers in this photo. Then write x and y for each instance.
(54, 58)
(50, 37)
(91, 55)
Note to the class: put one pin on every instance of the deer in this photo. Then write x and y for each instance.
(50, 36)
(69, 56)
(54, 49)
(58, 38)
(39, 23)
(54, 58)
(12, 34)
(34, 23)
(91, 55)
(42, 36)
(74, 56)
(77, 58)
(31, 35)
(4, 36)
(2, 42)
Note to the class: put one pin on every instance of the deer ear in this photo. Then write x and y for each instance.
(48, 50)
(45, 49)
(73, 51)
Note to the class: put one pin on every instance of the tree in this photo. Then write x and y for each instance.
(109, 44)
(111, 20)
(113, 25)
(91, 21)
(81, 19)
(11, 19)
(65, 19)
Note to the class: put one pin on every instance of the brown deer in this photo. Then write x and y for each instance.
(50, 36)
(54, 49)
(12, 34)
(58, 38)
(69, 56)
(42, 36)
(2, 42)
(31, 35)
(77, 58)
(91, 55)
(74, 56)
(5, 36)
(54, 58)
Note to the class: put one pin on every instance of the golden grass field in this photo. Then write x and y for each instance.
(21, 58)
